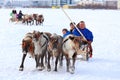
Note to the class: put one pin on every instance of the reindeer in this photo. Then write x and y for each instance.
(28, 19)
(54, 50)
(27, 47)
(39, 19)
(40, 41)
(71, 48)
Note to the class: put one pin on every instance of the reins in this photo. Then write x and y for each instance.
(45, 41)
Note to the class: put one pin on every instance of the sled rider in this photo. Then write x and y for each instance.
(86, 33)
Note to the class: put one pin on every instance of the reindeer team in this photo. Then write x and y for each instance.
(29, 19)
(44, 47)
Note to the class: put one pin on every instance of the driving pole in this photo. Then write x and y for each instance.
(74, 24)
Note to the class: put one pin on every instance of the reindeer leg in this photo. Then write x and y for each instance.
(74, 59)
(32, 22)
(61, 59)
(67, 63)
(27, 22)
(42, 65)
(22, 64)
(56, 62)
(38, 59)
(73, 63)
(36, 22)
(45, 59)
(48, 66)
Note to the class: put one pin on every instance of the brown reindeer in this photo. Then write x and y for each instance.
(27, 47)
(30, 45)
(28, 19)
(39, 20)
(35, 16)
(54, 50)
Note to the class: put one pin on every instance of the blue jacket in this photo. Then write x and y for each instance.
(87, 33)
(67, 33)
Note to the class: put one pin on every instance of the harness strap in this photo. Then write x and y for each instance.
(46, 39)
(64, 41)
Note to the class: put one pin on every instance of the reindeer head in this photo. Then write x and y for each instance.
(36, 35)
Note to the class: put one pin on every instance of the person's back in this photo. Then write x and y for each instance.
(20, 15)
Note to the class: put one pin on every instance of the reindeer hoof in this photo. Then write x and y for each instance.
(40, 68)
(72, 70)
(20, 69)
(61, 64)
(55, 70)
(67, 70)
(48, 70)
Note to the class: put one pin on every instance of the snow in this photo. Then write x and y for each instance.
(105, 64)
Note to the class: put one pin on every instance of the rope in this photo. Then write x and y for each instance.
(73, 24)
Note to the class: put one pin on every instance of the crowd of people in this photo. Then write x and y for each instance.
(80, 27)
(16, 16)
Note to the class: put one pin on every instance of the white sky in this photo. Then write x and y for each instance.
(74, 0)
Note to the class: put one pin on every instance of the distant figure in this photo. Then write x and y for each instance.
(19, 16)
(14, 14)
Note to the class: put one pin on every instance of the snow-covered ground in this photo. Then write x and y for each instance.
(105, 64)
